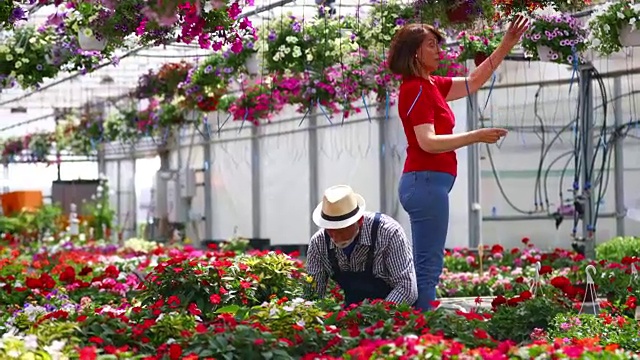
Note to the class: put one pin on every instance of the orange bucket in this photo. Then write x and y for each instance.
(17, 201)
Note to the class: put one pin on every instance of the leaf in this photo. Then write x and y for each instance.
(230, 309)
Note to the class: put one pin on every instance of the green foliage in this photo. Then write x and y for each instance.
(518, 322)
(43, 220)
(618, 330)
(23, 57)
(618, 248)
(606, 22)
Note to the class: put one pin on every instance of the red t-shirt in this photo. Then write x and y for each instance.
(429, 107)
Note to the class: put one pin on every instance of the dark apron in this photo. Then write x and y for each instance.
(359, 285)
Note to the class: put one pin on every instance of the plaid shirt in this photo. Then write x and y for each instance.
(393, 259)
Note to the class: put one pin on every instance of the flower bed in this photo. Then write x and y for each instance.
(148, 301)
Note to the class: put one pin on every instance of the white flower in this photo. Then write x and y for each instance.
(31, 342)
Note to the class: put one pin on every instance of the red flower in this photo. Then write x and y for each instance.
(175, 351)
(497, 249)
(546, 269)
(88, 353)
(498, 300)
(480, 334)
(215, 299)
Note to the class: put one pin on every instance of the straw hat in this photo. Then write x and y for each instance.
(340, 208)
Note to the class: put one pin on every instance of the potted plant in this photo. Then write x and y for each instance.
(465, 11)
(478, 45)
(257, 102)
(96, 23)
(309, 89)
(296, 45)
(243, 55)
(506, 9)
(11, 12)
(205, 84)
(384, 18)
(449, 64)
(557, 38)
(614, 25)
(451, 13)
(23, 58)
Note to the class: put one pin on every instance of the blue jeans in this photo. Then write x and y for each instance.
(424, 195)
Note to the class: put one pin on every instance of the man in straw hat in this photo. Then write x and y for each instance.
(367, 254)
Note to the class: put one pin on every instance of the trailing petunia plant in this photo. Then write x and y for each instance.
(478, 45)
(449, 65)
(25, 58)
(296, 45)
(383, 19)
(507, 9)
(257, 103)
(11, 12)
(308, 90)
(608, 22)
(558, 38)
(453, 13)
(205, 83)
(163, 83)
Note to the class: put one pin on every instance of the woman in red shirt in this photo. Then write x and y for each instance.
(431, 166)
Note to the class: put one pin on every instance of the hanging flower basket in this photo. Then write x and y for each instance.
(89, 42)
(479, 58)
(462, 12)
(629, 36)
(253, 64)
(556, 37)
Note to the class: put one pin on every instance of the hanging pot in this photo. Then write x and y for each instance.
(480, 58)
(629, 36)
(253, 64)
(590, 307)
(90, 42)
(545, 53)
(463, 12)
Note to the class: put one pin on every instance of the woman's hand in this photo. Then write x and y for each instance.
(489, 135)
(514, 33)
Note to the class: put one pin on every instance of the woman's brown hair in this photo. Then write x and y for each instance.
(404, 47)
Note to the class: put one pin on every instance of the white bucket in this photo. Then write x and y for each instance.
(90, 43)
(544, 53)
(629, 36)
(253, 64)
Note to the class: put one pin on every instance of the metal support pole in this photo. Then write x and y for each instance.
(383, 131)
(256, 181)
(178, 175)
(133, 218)
(475, 210)
(587, 146)
(314, 171)
(58, 162)
(618, 175)
(101, 153)
(208, 187)
(119, 192)
(160, 210)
